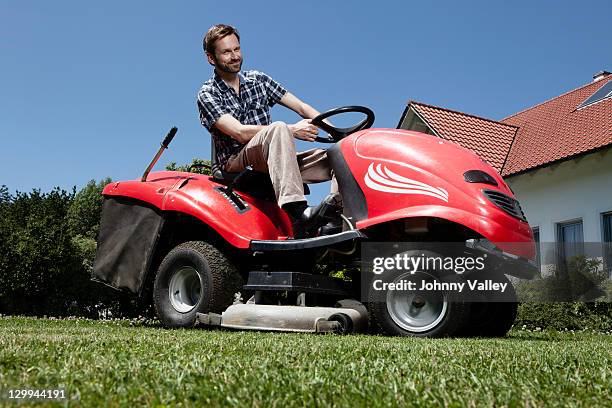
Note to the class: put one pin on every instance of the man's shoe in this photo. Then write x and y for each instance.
(307, 222)
(332, 227)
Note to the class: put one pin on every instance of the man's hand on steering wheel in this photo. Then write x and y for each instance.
(335, 133)
(304, 130)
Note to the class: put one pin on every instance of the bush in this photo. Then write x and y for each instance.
(37, 251)
(595, 316)
(85, 209)
(47, 249)
(582, 280)
(84, 224)
(577, 298)
(199, 166)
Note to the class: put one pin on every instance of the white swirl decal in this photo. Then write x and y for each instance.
(380, 178)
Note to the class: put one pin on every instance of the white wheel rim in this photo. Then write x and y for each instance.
(185, 289)
(416, 311)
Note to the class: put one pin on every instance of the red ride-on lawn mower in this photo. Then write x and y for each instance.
(217, 250)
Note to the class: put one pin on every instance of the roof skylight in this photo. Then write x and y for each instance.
(602, 93)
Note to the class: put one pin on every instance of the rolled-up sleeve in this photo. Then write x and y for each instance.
(274, 90)
(211, 107)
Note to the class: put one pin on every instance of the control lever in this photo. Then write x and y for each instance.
(164, 146)
(230, 188)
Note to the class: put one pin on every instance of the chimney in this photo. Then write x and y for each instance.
(600, 75)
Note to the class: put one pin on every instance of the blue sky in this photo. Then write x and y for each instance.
(90, 89)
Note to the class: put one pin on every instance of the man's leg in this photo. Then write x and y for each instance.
(314, 168)
(272, 151)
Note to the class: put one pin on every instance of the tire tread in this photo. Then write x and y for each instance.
(224, 278)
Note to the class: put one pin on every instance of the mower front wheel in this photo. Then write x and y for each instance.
(195, 277)
(417, 313)
(490, 318)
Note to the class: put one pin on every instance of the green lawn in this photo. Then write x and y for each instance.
(119, 363)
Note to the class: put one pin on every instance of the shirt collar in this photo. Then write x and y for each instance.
(223, 85)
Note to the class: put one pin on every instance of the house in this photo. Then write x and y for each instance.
(555, 156)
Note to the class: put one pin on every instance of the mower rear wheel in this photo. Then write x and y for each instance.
(195, 277)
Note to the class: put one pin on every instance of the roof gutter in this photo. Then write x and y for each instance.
(558, 161)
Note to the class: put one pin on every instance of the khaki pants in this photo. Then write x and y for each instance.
(272, 151)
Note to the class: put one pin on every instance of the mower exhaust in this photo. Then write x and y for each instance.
(350, 317)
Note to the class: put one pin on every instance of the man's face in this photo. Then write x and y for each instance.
(228, 57)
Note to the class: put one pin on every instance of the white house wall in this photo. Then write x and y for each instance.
(574, 189)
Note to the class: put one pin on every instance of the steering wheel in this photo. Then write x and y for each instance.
(335, 133)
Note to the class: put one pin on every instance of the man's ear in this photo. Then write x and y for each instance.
(211, 58)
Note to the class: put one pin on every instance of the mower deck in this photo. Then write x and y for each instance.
(351, 317)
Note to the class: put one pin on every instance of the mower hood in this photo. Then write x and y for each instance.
(403, 174)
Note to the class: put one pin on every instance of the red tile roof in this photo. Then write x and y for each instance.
(555, 130)
(489, 139)
(546, 133)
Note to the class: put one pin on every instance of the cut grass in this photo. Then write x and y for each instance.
(117, 363)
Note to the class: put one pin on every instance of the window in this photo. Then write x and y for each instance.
(536, 238)
(602, 93)
(412, 121)
(571, 240)
(607, 242)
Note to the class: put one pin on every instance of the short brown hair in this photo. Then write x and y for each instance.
(215, 33)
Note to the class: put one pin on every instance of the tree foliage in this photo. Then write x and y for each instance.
(199, 166)
(47, 248)
(85, 208)
(37, 253)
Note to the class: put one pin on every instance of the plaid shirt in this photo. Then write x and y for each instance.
(258, 93)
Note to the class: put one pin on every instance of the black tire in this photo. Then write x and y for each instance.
(446, 310)
(492, 319)
(202, 279)
(346, 324)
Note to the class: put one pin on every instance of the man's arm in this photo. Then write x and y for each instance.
(229, 125)
(236, 130)
(304, 110)
(302, 130)
(215, 113)
(301, 108)
(243, 133)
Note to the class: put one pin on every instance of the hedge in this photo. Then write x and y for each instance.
(47, 247)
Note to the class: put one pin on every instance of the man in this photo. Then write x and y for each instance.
(235, 107)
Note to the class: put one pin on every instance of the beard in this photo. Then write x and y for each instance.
(232, 68)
